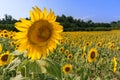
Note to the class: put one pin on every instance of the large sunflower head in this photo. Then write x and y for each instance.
(67, 68)
(5, 58)
(40, 34)
(92, 55)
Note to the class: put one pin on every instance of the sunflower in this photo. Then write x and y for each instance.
(12, 43)
(17, 46)
(4, 31)
(1, 48)
(87, 43)
(11, 36)
(112, 46)
(61, 49)
(92, 55)
(40, 34)
(115, 64)
(6, 35)
(61, 41)
(99, 44)
(5, 58)
(1, 34)
(84, 56)
(69, 56)
(66, 52)
(67, 68)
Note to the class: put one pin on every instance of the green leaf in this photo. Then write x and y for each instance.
(54, 69)
(33, 67)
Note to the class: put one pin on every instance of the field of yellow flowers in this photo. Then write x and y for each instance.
(79, 56)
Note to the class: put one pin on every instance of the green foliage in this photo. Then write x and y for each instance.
(68, 22)
(54, 69)
(71, 24)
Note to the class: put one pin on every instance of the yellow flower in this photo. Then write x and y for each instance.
(99, 44)
(4, 31)
(0, 48)
(40, 34)
(66, 52)
(5, 58)
(112, 46)
(67, 68)
(84, 49)
(87, 43)
(72, 44)
(12, 43)
(92, 55)
(69, 56)
(6, 35)
(84, 56)
(1, 34)
(115, 64)
(61, 49)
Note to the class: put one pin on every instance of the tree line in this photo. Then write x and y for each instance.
(68, 22)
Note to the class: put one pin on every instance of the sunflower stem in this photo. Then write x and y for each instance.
(33, 75)
(25, 72)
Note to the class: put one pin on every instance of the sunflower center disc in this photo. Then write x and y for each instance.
(39, 32)
(4, 58)
(67, 69)
(43, 34)
(92, 55)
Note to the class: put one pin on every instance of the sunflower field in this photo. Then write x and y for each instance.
(40, 50)
(79, 56)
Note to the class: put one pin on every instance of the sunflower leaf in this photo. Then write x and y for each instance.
(54, 69)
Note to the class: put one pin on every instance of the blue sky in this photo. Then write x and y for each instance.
(96, 10)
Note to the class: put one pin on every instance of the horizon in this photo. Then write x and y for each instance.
(97, 11)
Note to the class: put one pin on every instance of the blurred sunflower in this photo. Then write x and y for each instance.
(0, 48)
(66, 52)
(61, 49)
(40, 34)
(5, 58)
(99, 44)
(84, 56)
(61, 41)
(87, 43)
(17, 46)
(4, 31)
(12, 43)
(92, 55)
(115, 64)
(72, 44)
(112, 46)
(1, 34)
(69, 56)
(6, 35)
(67, 68)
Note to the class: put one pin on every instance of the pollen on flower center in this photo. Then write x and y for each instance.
(40, 31)
(4, 58)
